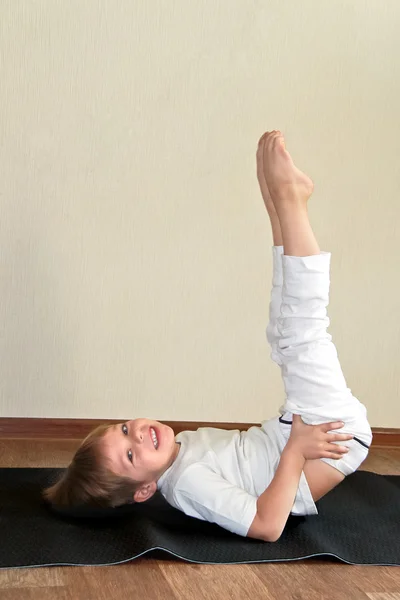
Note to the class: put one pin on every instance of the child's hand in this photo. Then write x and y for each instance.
(314, 441)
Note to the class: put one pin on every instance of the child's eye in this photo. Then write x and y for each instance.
(130, 455)
(124, 429)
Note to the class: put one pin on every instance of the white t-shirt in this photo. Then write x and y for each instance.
(219, 474)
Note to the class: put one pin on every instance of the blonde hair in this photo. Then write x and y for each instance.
(89, 481)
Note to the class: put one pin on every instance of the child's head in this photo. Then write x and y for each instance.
(117, 464)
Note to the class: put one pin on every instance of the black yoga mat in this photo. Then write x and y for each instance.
(358, 523)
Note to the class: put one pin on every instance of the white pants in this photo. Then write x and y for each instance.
(314, 383)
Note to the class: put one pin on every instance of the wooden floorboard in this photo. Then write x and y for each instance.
(159, 579)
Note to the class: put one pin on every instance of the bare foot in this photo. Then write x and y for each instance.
(283, 179)
(269, 205)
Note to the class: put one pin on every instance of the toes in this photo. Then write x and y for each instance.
(262, 138)
(260, 149)
(270, 139)
(279, 141)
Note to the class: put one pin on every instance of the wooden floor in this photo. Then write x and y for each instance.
(151, 579)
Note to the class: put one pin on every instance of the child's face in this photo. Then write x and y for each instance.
(133, 452)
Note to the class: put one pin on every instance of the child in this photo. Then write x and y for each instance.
(248, 482)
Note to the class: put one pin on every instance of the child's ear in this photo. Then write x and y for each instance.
(145, 492)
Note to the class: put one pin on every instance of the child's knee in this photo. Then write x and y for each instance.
(354, 458)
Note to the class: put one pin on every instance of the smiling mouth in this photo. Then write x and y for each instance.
(154, 437)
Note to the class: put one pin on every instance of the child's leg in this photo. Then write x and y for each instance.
(313, 379)
(277, 251)
(273, 334)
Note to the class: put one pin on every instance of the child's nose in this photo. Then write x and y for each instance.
(139, 436)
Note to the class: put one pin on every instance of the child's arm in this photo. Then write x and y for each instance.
(274, 505)
(306, 442)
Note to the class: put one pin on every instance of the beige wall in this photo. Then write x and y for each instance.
(135, 249)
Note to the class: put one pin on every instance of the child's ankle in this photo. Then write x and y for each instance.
(288, 201)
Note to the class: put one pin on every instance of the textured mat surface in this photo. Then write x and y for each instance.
(358, 523)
